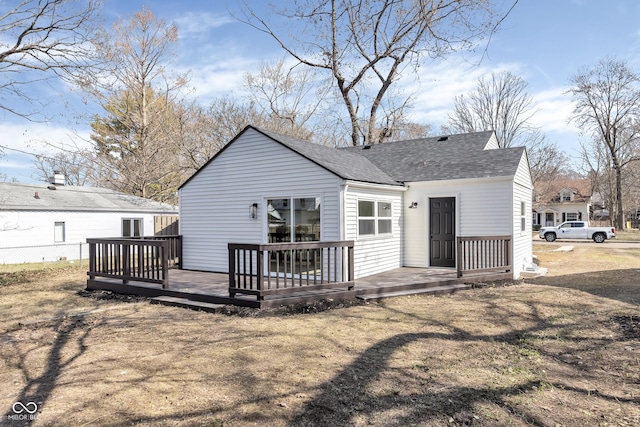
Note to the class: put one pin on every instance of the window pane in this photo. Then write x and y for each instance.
(384, 209)
(126, 228)
(58, 232)
(384, 226)
(365, 208)
(279, 220)
(137, 227)
(307, 219)
(522, 208)
(366, 227)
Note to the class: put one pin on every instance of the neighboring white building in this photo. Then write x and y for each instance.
(564, 199)
(403, 203)
(40, 222)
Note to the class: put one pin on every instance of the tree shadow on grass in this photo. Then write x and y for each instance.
(621, 285)
(350, 395)
(39, 388)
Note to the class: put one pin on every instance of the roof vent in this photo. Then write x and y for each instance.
(36, 196)
(51, 187)
(443, 138)
(367, 147)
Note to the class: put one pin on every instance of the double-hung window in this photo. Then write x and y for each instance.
(374, 218)
(131, 227)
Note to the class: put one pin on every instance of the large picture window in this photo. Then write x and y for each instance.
(294, 219)
(374, 218)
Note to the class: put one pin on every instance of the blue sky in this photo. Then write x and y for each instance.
(545, 42)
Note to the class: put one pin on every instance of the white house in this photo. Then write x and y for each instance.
(403, 203)
(563, 199)
(40, 222)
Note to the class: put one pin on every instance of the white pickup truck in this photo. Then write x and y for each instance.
(577, 230)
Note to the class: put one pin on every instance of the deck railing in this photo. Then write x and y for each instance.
(175, 247)
(142, 259)
(289, 268)
(483, 254)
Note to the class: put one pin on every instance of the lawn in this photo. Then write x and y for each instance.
(562, 350)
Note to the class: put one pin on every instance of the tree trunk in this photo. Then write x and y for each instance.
(619, 207)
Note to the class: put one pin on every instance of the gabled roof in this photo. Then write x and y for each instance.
(345, 164)
(442, 158)
(43, 197)
(551, 191)
(394, 163)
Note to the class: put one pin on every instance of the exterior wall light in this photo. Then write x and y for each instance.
(414, 205)
(253, 211)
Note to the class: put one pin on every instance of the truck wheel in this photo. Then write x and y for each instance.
(550, 237)
(599, 238)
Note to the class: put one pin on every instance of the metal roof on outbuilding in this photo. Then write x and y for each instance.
(48, 197)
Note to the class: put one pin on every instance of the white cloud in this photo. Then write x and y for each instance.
(40, 138)
(198, 24)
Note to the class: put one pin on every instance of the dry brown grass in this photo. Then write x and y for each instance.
(561, 350)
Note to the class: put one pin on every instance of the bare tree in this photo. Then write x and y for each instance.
(40, 39)
(135, 141)
(607, 106)
(76, 168)
(291, 98)
(366, 45)
(501, 102)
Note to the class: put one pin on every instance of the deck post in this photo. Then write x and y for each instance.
(459, 258)
(92, 259)
(165, 264)
(259, 269)
(232, 269)
(126, 262)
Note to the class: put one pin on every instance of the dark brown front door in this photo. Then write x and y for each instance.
(442, 229)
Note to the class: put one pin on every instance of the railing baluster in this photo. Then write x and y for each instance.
(483, 254)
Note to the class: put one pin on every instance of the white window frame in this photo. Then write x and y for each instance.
(376, 218)
(573, 214)
(59, 232)
(523, 217)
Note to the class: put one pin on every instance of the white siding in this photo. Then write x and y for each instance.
(483, 207)
(522, 192)
(214, 204)
(28, 236)
(374, 254)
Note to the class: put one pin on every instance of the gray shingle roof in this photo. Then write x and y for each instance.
(345, 164)
(394, 163)
(430, 159)
(15, 196)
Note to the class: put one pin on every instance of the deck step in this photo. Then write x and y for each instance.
(187, 303)
(434, 290)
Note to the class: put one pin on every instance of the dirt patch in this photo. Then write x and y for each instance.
(562, 350)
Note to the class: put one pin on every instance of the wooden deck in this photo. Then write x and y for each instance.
(277, 274)
(213, 288)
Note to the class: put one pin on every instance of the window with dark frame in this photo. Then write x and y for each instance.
(132, 227)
